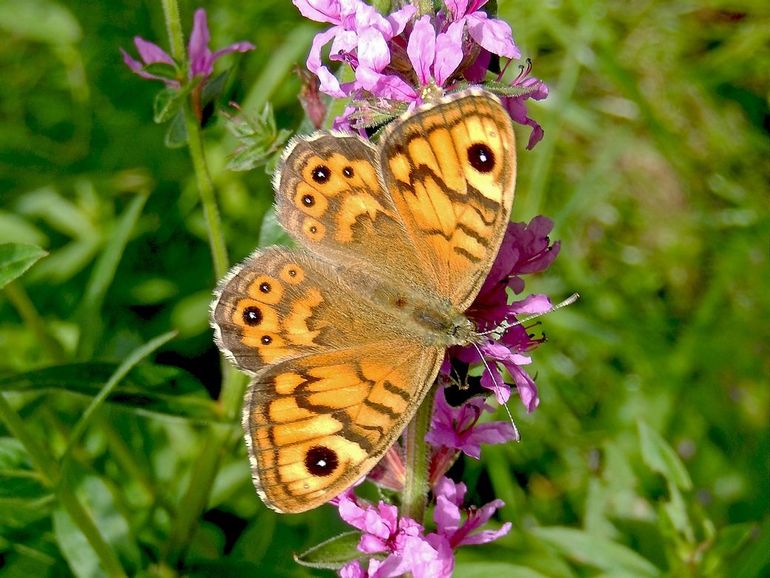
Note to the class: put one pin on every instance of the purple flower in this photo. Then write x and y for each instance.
(359, 34)
(525, 249)
(396, 60)
(399, 539)
(516, 106)
(200, 57)
(457, 427)
(491, 34)
(448, 517)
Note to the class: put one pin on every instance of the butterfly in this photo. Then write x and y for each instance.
(345, 335)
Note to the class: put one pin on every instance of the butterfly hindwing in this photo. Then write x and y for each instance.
(317, 424)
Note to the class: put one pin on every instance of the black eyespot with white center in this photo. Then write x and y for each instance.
(266, 340)
(252, 316)
(481, 157)
(348, 172)
(321, 174)
(308, 200)
(265, 287)
(321, 461)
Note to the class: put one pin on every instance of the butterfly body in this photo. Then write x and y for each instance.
(345, 335)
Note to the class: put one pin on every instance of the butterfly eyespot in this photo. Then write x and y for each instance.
(265, 287)
(481, 157)
(252, 316)
(313, 230)
(321, 174)
(321, 461)
(348, 172)
(400, 302)
(266, 340)
(308, 200)
(292, 274)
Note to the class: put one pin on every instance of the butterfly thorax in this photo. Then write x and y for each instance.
(431, 320)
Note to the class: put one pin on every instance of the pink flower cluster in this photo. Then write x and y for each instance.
(400, 58)
(397, 545)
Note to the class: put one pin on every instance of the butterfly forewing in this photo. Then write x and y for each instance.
(328, 196)
(450, 170)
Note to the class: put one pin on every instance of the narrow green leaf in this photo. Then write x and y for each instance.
(133, 359)
(595, 551)
(15, 259)
(103, 274)
(332, 553)
(80, 555)
(147, 389)
(661, 458)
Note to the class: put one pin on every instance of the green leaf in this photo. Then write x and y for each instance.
(332, 553)
(176, 134)
(74, 546)
(271, 232)
(15, 259)
(214, 88)
(147, 389)
(119, 374)
(167, 103)
(596, 551)
(24, 498)
(486, 569)
(661, 458)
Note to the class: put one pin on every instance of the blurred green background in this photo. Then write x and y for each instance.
(650, 452)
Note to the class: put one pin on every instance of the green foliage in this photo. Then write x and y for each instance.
(649, 453)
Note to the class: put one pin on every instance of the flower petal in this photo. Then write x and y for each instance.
(400, 18)
(320, 40)
(493, 34)
(319, 10)
(384, 85)
(373, 50)
(449, 52)
(243, 46)
(422, 49)
(486, 536)
(151, 53)
(201, 63)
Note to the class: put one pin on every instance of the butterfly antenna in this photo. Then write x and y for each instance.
(506, 325)
(497, 392)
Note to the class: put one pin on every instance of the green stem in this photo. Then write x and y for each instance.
(174, 29)
(47, 467)
(416, 486)
(205, 468)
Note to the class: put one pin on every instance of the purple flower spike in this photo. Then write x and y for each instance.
(200, 55)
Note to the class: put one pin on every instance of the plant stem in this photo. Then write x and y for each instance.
(205, 468)
(174, 29)
(416, 483)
